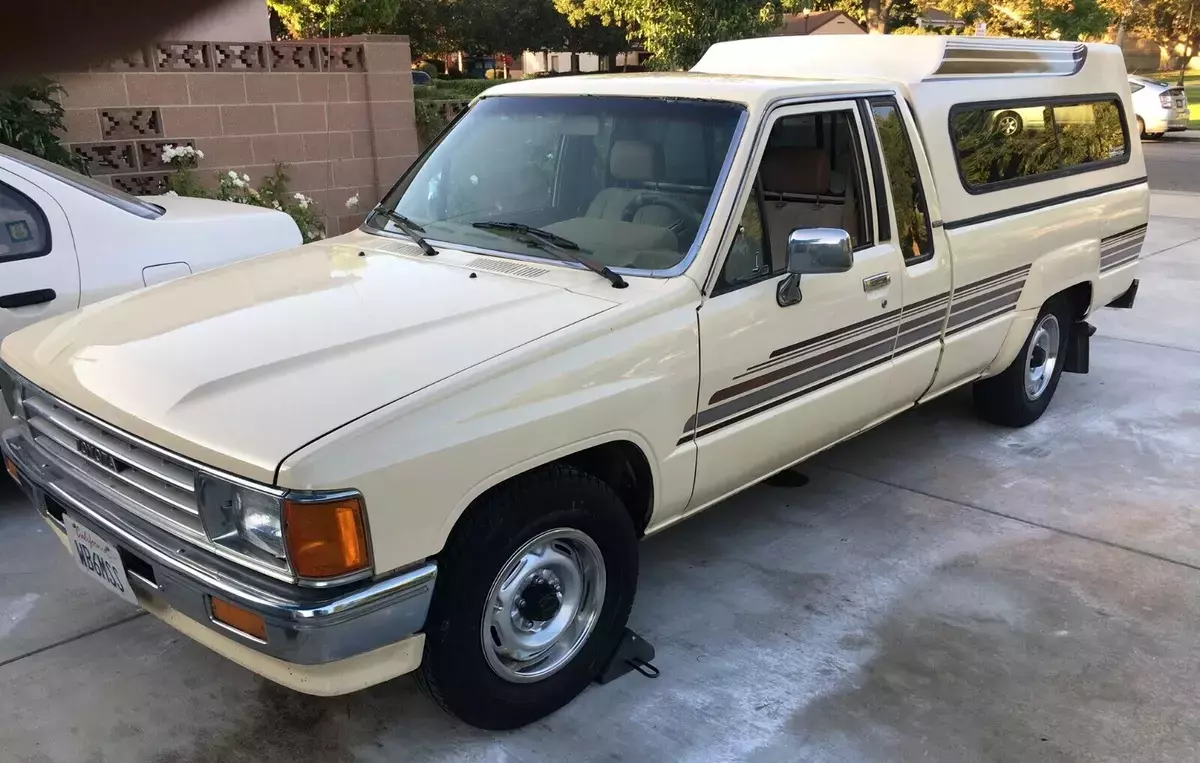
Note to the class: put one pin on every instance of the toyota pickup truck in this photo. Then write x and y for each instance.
(592, 308)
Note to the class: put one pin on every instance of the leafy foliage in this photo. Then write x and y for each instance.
(678, 32)
(31, 119)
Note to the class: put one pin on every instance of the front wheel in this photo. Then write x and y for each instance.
(533, 592)
(1020, 394)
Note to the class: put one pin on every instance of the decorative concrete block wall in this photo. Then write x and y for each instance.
(338, 113)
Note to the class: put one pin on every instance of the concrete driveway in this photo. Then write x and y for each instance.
(940, 590)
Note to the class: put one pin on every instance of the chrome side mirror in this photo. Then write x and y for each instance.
(813, 251)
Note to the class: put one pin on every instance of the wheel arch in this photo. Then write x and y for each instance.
(1079, 295)
(621, 459)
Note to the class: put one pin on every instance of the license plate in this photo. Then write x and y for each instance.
(98, 559)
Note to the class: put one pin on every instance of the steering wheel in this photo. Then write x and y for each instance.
(687, 222)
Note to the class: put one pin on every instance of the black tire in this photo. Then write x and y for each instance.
(454, 671)
(1141, 128)
(1002, 399)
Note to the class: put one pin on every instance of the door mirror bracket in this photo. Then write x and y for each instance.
(813, 251)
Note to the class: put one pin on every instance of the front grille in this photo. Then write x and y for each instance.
(137, 478)
(158, 490)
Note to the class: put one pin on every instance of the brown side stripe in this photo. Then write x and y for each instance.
(839, 354)
(874, 340)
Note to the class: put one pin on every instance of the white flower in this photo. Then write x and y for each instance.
(252, 192)
(170, 193)
(239, 183)
(352, 203)
(233, 175)
(199, 154)
(276, 204)
(246, 178)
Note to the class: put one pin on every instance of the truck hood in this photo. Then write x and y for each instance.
(239, 366)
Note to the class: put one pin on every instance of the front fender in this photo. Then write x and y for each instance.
(629, 374)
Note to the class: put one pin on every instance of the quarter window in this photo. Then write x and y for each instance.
(1012, 143)
(24, 232)
(913, 232)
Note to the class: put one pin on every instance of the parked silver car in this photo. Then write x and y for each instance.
(1160, 106)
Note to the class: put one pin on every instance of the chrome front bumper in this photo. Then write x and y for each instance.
(304, 626)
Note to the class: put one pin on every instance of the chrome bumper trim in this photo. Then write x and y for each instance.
(304, 626)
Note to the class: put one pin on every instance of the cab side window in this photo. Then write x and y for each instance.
(913, 232)
(24, 232)
(810, 176)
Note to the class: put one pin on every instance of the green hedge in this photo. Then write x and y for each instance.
(433, 116)
(452, 89)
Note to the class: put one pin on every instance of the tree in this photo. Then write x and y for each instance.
(677, 32)
(1172, 24)
(1055, 19)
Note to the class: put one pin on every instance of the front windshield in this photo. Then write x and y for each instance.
(627, 180)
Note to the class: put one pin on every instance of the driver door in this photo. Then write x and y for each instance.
(781, 382)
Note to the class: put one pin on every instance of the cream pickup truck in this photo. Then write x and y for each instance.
(594, 307)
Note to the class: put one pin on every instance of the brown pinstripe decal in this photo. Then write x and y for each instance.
(1122, 248)
(804, 367)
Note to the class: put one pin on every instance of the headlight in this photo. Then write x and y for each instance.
(241, 518)
(321, 535)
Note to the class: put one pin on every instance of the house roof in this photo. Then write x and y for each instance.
(794, 24)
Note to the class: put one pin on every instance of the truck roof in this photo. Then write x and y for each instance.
(749, 89)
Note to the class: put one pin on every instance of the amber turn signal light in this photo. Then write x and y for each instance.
(326, 539)
(239, 619)
(11, 468)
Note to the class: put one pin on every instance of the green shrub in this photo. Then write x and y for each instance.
(31, 119)
(433, 116)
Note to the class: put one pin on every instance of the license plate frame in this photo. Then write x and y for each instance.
(97, 558)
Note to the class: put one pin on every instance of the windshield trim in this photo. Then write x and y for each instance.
(676, 270)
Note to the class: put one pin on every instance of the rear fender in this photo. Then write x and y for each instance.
(1050, 274)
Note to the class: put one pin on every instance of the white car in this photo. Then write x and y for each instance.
(1160, 107)
(67, 240)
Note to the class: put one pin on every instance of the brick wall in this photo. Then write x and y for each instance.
(339, 113)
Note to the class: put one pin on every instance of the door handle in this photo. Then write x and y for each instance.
(27, 298)
(877, 281)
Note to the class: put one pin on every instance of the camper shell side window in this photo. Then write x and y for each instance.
(1003, 144)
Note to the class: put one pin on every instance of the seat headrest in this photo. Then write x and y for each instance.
(632, 160)
(795, 170)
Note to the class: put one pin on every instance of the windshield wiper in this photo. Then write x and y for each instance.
(566, 247)
(409, 227)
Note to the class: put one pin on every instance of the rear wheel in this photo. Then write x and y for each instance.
(1020, 394)
(533, 592)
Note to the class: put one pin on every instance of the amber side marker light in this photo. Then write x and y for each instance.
(239, 619)
(11, 468)
(326, 539)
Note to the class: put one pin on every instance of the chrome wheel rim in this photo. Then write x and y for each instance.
(543, 605)
(1042, 357)
(1009, 125)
